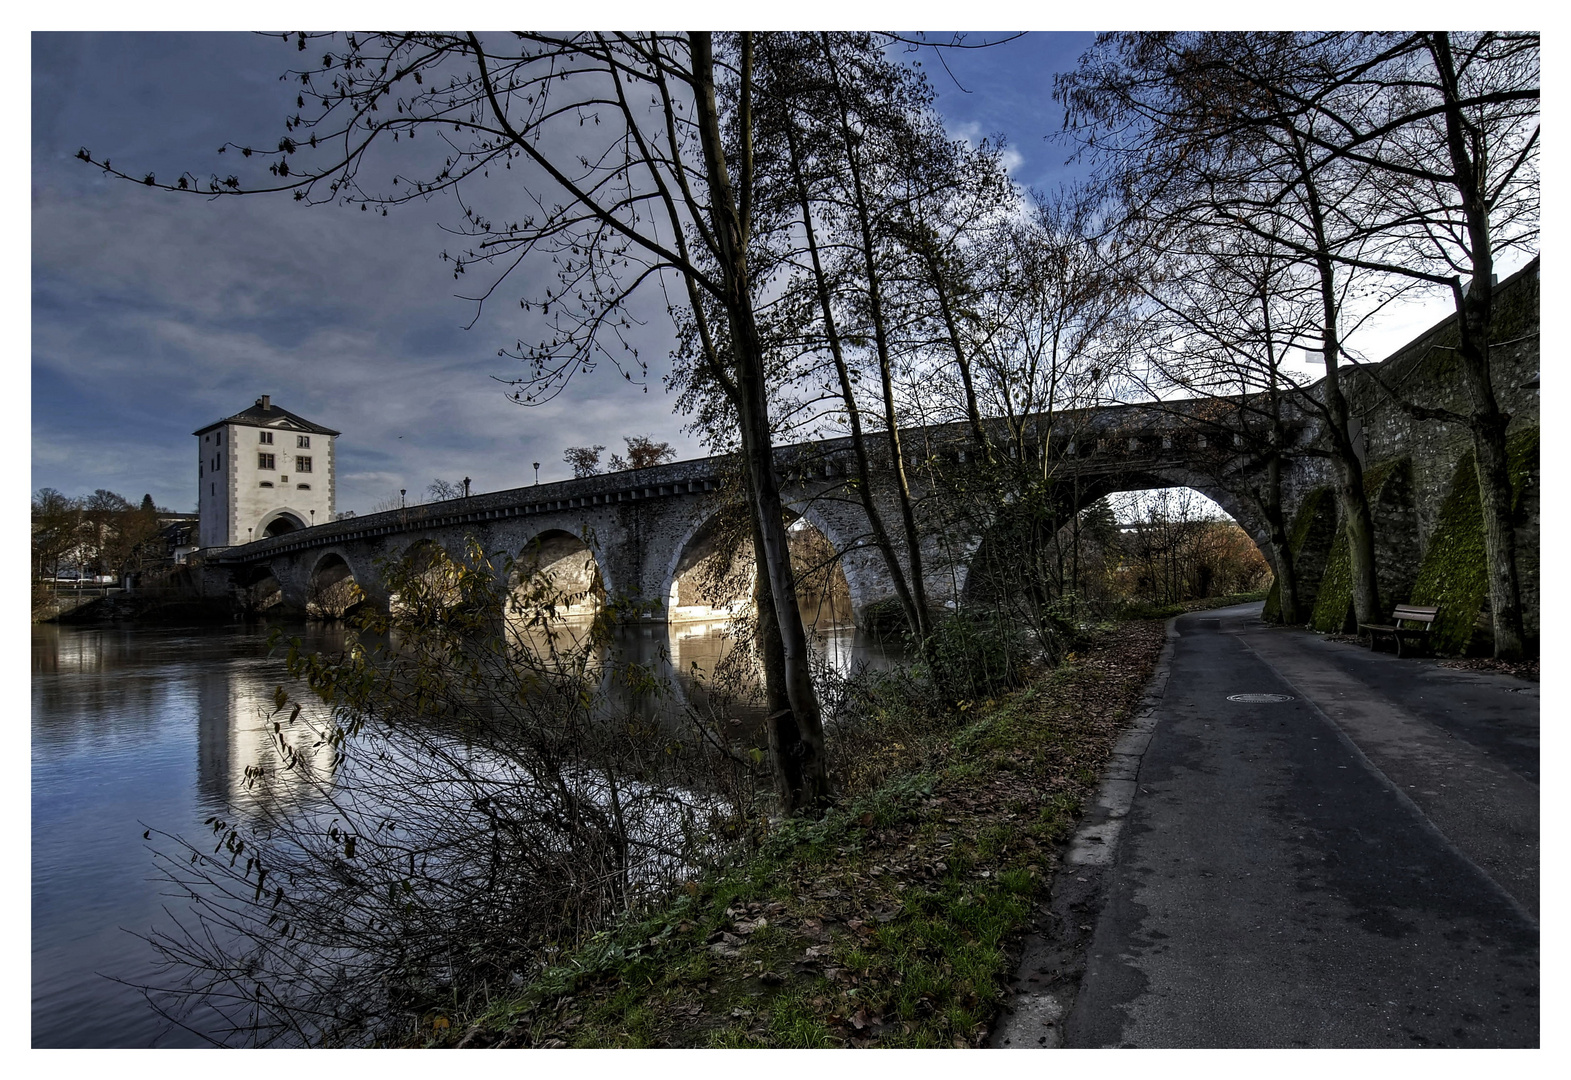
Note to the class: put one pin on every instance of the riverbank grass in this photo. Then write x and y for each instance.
(893, 921)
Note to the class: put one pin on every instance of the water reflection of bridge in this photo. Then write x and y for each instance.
(233, 699)
(686, 657)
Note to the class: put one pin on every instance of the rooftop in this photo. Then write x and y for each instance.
(265, 414)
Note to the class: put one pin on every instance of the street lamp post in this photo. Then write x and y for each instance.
(537, 473)
(466, 487)
(401, 497)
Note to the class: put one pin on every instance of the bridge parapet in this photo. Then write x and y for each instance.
(679, 478)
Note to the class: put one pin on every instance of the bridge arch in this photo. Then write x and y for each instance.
(1237, 506)
(707, 539)
(716, 537)
(428, 560)
(258, 588)
(333, 587)
(279, 522)
(561, 569)
(858, 582)
(1072, 497)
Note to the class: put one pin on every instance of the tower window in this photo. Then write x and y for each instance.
(302, 464)
(303, 442)
(264, 461)
(265, 436)
(265, 483)
(302, 487)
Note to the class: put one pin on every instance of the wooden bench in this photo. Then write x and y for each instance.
(1404, 613)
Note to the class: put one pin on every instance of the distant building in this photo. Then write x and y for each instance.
(262, 472)
(178, 535)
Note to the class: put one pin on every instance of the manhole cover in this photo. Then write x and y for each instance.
(1255, 699)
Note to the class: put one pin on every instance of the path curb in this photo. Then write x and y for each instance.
(1054, 958)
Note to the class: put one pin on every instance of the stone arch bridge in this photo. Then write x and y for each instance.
(645, 527)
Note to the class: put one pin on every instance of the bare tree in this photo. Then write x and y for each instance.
(1446, 128)
(56, 529)
(1053, 325)
(1174, 161)
(821, 163)
(1405, 157)
(1225, 311)
(444, 489)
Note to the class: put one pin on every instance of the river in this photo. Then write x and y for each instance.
(137, 727)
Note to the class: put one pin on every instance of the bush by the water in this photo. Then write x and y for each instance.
(971, 656)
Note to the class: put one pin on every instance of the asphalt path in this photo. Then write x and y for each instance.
(1356, 866)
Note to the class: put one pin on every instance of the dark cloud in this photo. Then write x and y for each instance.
(154, 314)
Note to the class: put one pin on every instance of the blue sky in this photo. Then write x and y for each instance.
(155, 314)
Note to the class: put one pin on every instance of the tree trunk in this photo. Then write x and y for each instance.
(962, 362)
(864, 471)
(1271, 504)
(1475, 316)
(1358, 524)
(792, 785)
(881, 346)
(1494, 496)
(1281, 548)
(799, 732)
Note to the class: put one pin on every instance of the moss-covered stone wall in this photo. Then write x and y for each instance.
(1334, 601)
(1390, 504)
(1453, 574)
(1426, 372)
(1421, 482)
(1309, 540)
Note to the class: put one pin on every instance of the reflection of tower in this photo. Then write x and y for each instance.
(214, 733)
(234, 733)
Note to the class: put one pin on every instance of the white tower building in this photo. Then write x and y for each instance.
(262, 472)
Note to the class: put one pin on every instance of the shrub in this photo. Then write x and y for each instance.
(971, 656)
(461, 803)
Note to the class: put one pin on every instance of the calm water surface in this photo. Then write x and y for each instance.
(140, 727)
